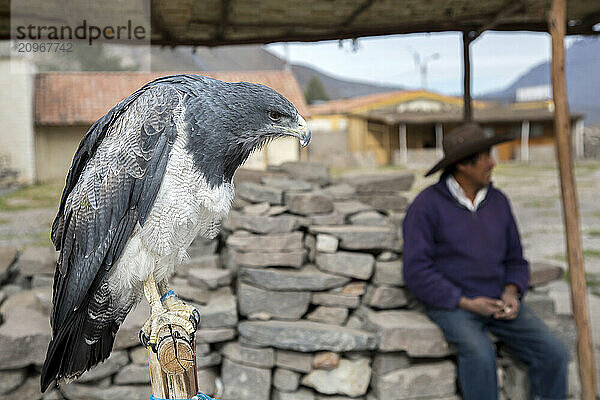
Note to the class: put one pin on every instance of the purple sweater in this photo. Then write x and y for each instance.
(450, 251)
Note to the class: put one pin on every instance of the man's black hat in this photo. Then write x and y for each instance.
(464, 141)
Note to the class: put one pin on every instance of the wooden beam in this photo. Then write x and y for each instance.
(557, 24)
(327, 33)
(359, 10)
(224, 20)
(511, 8)
(467, 112)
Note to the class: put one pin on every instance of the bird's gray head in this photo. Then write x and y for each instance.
(232, 120)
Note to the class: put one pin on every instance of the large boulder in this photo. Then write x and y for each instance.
(8, 258)
(209, 278)
(381, 183)
(88, 392)
(427, 381)
(289, 305)
(253, 357)
(244, 382)
(24, 337)
(306, 336)
(359, 237)
(262, 224)
(310, 172)
(128, 334)
(113, 364)
(220, 311)
(351, 378)
(386, 297)
(37, 260)
(345, 263)
(259, 193)
(286, 380)
(308, 203)
(306, 278)
(409, 331)
(259, 259)
(281, 242)
(293, 360)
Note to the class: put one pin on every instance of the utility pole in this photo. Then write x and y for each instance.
(421, 64)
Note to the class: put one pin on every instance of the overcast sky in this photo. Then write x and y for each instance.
(497, 59)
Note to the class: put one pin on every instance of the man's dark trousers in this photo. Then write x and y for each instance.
(526, 336)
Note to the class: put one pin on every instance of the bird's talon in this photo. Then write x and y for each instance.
(144, 339)
(195, 318)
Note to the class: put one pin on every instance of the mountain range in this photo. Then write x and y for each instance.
(582, 68)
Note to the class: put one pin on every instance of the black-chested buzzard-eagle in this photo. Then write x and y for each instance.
(149, 176)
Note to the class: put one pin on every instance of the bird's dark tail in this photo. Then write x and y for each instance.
(69, 354)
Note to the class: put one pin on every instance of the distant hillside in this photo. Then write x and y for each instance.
(255, 57)
(338, 88)
(583, 79)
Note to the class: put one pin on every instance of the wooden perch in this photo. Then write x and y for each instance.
(173, 367)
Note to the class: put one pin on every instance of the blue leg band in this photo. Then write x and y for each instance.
(199, 396)
(165, 296)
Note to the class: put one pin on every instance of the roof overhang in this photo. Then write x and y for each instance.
(488, 115)
(225, 22)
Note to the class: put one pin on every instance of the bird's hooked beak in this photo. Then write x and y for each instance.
(302, 132)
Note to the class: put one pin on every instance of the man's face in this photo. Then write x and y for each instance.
(480, 171)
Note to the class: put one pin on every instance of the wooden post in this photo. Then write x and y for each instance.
(525, 141)
(467, 113)
(579, 145)
(557, 25)
(173, 367)
(439, 139)
(403, 144)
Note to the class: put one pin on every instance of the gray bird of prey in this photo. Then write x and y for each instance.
(147, 178)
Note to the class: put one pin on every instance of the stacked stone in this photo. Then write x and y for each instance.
(301, 297)
(26, 292)
(321, 295)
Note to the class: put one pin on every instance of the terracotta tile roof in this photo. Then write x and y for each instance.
(345, 105)
(83, 97)
(373, 101)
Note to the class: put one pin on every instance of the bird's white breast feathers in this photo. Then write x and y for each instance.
(185, 206)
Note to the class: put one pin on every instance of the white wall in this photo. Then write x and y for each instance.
(275, 153)
(17, 146)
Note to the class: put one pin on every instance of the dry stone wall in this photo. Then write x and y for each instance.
(301, 298)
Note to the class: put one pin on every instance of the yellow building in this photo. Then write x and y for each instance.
(407, 127)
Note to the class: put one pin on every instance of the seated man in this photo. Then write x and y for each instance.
(463, 259)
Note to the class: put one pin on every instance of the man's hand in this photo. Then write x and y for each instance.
(510, 297)
(481, 305)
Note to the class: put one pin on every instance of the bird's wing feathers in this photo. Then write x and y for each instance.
(112, 185)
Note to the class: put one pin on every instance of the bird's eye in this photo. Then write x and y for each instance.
(274, 115)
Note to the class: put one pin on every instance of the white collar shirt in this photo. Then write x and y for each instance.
(459, 194)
